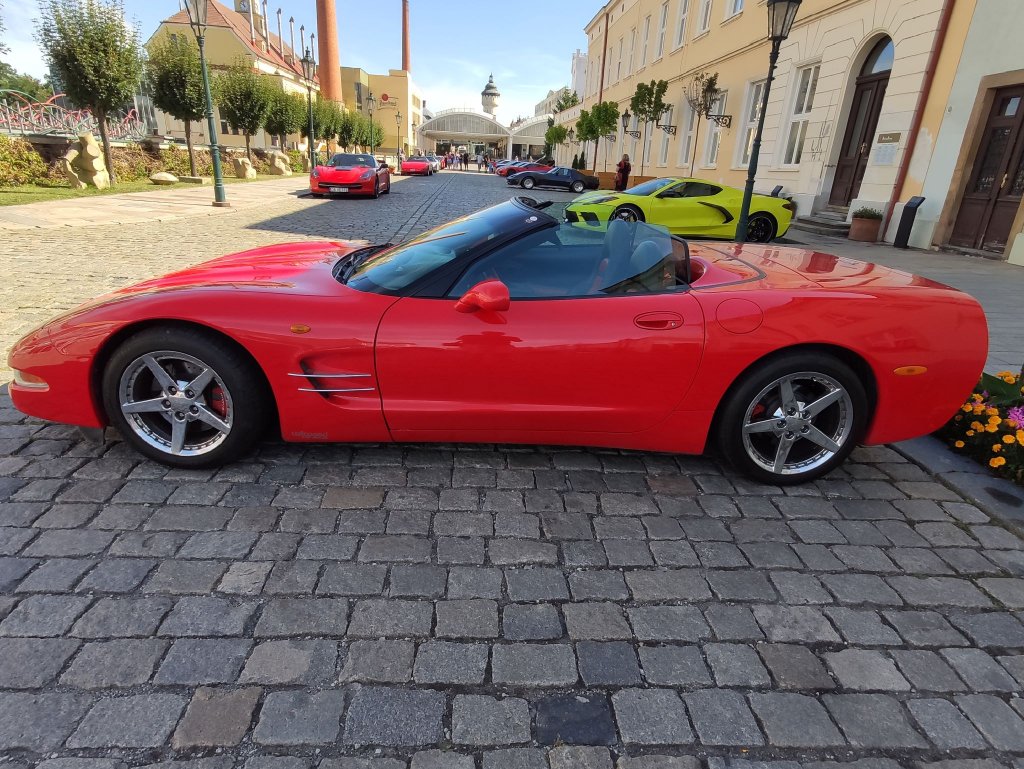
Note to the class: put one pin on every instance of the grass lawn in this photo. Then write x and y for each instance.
(38, 193)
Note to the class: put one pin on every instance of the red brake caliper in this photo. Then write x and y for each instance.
(217, 402)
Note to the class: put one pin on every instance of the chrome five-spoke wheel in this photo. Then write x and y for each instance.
(186, 396)
(797, 423)
(176, 403)
(793, 418)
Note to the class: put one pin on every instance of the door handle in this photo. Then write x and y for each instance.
(863, 147)
(1003, 182)
(658, 321)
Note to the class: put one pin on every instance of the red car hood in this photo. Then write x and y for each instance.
(343, 173)
(417, 163)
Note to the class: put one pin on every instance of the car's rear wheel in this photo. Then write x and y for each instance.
(528, 183)
(793, 419)
(185, 398)
(577, 186)
(760, 229)
(387, 189)
(628, 214)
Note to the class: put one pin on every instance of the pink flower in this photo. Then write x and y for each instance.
(1017, 415)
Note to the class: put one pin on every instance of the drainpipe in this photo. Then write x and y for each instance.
(922, 99)
(600, 87)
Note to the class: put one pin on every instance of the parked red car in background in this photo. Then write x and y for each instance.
(515, 168)
(417, 164)
(350, 174)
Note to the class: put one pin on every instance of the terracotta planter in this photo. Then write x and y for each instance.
(865, 230)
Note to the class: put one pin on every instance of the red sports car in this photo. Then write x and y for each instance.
(516, 168)
(508, 326)
(350, 174)
(417, 164)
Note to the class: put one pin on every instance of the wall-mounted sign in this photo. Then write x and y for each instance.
(385, 97)
(890, 138)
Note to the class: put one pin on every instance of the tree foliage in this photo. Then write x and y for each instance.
(175, 79)
(648, 105)
(555, 135)
(3, 30)
(94, 53)
(701, 94)
(33, 88)
(566, 99)
(593, 124)
(286, 113)
(243, 96)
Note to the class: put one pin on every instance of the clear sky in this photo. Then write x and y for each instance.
(527, 44)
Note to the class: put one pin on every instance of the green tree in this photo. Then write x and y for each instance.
(604, 117)
(701, 94)
(555, 136)
(566, 99)
(243, 96)
(286, 113)
(585, 132)
(34, 89)
(347, 128)
(648, 105)
(95, 54)
(175, 79)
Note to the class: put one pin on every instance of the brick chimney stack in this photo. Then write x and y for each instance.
(405, 35)
(330, 63)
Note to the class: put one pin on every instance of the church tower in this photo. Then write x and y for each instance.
(490, 96)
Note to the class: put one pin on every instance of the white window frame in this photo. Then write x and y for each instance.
(663, 149)
(647, 137)
(713, 141)
(755, 93)
(647, 37)
(685, 133)
(662, 27)
(800, 114)
(704, 21)
(684, 9)
(733, 8)
(632, 50)
(618, 65)
(633, 140)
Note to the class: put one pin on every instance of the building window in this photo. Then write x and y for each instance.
(663, 150)
(618, 66)
(647, 35)
(662, 23)
(705, 16)
(714, 140)
(684, 7)
(648, 135)
(732, 7)
(750, 117)
(632, 48)
(688, 125)
(223, 127)
(807, 83)
(632, 139)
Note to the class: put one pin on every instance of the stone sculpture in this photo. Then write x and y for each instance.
(163, 177)
(280, 163)
(243, 168)
(83, 164)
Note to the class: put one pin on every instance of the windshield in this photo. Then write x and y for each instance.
(420, 158)
(397, 267)
(648, 188)
(345, 159)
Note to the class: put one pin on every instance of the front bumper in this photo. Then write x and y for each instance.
(592, 216)
(327, 187)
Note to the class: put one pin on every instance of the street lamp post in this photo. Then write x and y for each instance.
(308, 71)
(197, 10)
(781, 14)
(398, 152)
(370, 104)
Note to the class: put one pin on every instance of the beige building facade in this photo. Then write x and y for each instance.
(394, 93)
(850, 90)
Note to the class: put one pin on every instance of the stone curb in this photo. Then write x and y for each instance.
(996, 496)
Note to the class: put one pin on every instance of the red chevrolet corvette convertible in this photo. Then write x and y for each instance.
(510, 326)
(350, 174)
(417, 164)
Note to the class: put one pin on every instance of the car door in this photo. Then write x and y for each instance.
(690, 208)
(562, 360)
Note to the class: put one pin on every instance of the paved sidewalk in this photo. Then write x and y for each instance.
(134, 207)
(998, 285)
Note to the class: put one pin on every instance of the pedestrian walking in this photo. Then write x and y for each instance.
(479, 161)
(622, 171)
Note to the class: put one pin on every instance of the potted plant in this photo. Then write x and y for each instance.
(865, 225)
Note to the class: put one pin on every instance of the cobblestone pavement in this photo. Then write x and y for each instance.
(416, 607)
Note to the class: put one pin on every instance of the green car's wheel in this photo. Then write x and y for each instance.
(628, 214)
(760, 229)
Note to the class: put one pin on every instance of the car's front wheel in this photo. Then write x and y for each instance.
(628, 214)
(793, 419)
(577, 186)
(760, 229)
(185, 397)
(376, 189)
(528, 183)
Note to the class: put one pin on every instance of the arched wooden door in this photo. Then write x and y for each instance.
(860, 128)
(996, 184)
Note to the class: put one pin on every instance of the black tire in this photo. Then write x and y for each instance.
(578, 186)
(376, 189)
(243, 403)
(528, 183)
(628, 214)
(761, 228)
(758, 401)
(387, 190)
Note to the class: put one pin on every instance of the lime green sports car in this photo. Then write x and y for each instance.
(692, 207)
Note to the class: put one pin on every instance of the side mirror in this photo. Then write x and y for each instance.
(490, 295)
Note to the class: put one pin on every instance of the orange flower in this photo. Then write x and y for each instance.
(997, 461)
(1020, 437)
(959, 444)
(997, 447)
(1009, 439)
(970, 433)
(991, 428)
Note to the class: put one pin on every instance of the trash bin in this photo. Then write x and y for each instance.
(907, 221)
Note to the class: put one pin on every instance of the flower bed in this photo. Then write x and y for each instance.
(989, 427)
